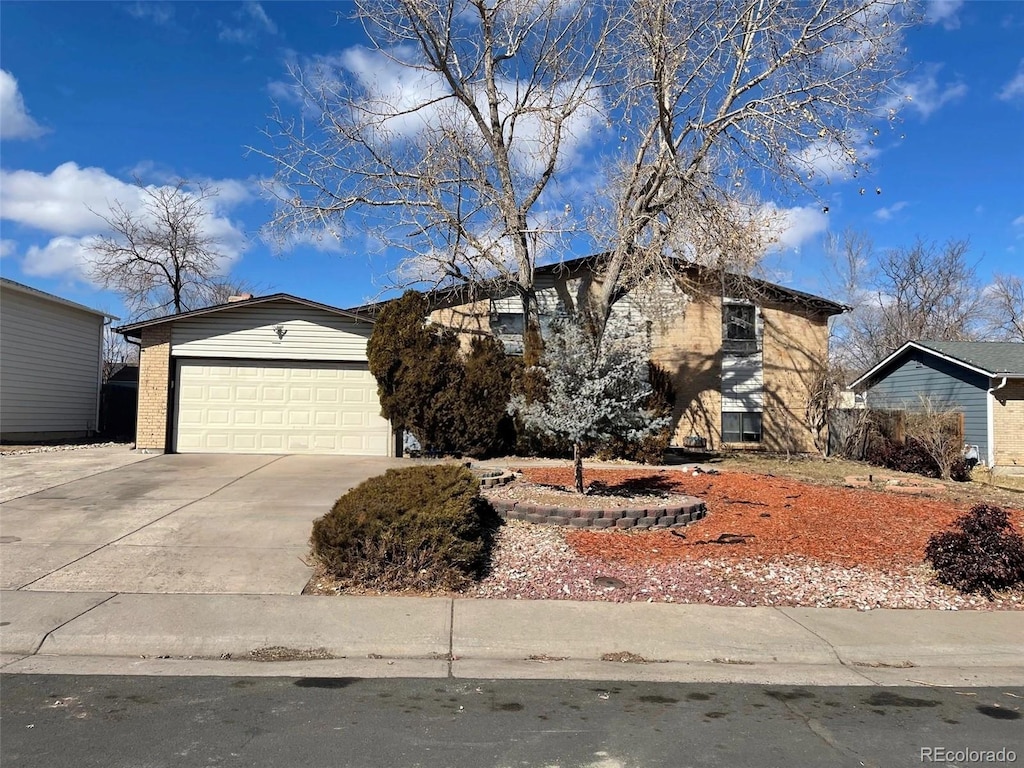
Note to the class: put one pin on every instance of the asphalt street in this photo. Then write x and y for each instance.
(115, 722)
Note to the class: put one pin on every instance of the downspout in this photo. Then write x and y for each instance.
(991, 423)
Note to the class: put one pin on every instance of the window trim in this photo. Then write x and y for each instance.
(743, 417)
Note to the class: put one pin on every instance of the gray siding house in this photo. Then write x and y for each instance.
(984, 380)
(51, 365)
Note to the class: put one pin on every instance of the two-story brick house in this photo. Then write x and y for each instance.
(743, 353)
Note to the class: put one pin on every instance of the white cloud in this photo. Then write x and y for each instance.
(15, 121)
(59, 203)
(944, 12)
(259, 17)
(158, 13)
(7, 247)
(1014, 89)
(61, 257)
(887, 213)
(405, 101)
(827, 160)
(790, 228)
(924, 95)
(253, 21)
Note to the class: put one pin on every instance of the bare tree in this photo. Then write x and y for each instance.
(458, 155)
(938, 429)
(922, 292)
(720, 95)
(160, 256)
(1004, 313)
(823, 398)
(464, 145)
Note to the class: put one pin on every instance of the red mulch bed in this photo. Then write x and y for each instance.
(779, 516)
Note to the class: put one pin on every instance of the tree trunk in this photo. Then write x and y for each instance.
(577, 463)
(533, 342)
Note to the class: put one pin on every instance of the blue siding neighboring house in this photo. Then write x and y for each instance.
(967, 376)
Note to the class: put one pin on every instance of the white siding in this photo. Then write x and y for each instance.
(49, 367)
(250, 332)
(742, 384)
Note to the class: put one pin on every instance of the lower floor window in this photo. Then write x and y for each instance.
(741, 427)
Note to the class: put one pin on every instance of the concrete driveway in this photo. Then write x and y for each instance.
(109, 520)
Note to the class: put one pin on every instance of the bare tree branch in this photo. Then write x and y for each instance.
(922, 292)
(721, 95)
(160, 257)
(1004, 312)
(451, 137)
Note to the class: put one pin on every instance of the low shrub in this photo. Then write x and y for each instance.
(960, 471)
(909, 456)
(421, 528)
(984, 553)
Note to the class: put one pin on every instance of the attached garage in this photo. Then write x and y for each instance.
(270, 375)
(229, 406)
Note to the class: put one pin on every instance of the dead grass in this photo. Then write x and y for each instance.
(814, 469)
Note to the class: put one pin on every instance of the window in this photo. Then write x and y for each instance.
(741, 427)
(740, 322)
(507, 323)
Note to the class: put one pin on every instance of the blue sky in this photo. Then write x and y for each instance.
(92, 94)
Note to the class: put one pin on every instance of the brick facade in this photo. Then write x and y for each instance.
(795, 351)
(154, 382)
(688, 345)
(1008, 424)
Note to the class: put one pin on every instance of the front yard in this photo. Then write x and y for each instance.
(778, 532)
(793, 542)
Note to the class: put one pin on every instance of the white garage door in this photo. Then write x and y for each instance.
(237, 406)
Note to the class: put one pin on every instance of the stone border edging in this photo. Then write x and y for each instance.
(504, 478)
(677, 515)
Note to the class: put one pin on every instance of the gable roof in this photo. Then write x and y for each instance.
(735, 284)
(989, 358)
(231, 305)
(30, 291)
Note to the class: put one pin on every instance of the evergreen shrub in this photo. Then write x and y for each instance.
(423, 528)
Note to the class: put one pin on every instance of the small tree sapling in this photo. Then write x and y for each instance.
(596, 389)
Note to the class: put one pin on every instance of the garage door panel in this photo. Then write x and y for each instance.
(279, 407)
(327, 419)
(247, 393)
(300, 418)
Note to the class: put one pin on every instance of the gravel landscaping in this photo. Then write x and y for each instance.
(19, 450)
(766, 541)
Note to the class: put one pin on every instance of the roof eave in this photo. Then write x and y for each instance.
(870, 373)
(466, 292)
(351, 314)
(28, 290)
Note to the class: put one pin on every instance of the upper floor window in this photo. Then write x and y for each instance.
(740, 322)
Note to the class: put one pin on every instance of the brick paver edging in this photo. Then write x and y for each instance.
(495, 478)
(680, 514)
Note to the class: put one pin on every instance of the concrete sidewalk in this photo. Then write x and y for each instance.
(440, 637)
